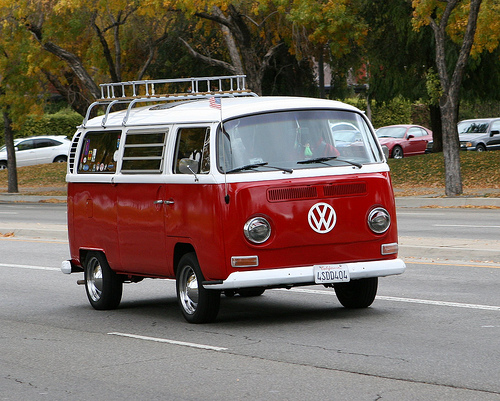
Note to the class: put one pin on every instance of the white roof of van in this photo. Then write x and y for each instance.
(200, 111)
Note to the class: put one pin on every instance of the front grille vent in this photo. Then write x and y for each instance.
(291, 193)
(345, 189)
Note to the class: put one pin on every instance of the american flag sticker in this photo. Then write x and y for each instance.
(215, 102)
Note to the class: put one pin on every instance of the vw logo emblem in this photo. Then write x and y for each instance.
(322, 218)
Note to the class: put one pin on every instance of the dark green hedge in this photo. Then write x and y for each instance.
(51, 124)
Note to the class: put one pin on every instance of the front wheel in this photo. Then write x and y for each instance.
(357, 294)
(103, 286)
(480, 148)
(198, 305)
(3, 165)
(397, 152)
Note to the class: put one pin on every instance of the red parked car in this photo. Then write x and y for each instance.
(404, 140)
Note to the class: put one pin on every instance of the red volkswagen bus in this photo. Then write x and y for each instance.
(227, 192)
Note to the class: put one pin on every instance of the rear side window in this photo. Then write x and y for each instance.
(144, 152)
(99, 152)
(46, 143)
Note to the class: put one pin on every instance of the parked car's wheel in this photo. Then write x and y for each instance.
(480, 147)
(198, 305)
(104, 287)
(61, 159)
(3, 165)
(357, 293)
(397, 152)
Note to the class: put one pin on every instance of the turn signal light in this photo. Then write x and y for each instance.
(245, 261)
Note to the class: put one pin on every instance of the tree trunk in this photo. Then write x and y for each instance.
(451, 90)
(11, 154)
(437, 129)
(451, 151)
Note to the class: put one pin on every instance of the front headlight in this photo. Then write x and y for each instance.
(257, 230)
(379, 220)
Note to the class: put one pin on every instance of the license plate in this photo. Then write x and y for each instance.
(324, 274)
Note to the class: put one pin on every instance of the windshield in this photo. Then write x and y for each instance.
(296, 140)
(391, 132)
(473, 127)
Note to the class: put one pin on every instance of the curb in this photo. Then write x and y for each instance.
(417, 201)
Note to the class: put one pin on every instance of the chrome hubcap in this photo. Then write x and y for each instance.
(94, 279)
(188, 290)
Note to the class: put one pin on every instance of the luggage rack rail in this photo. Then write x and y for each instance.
(160, 90)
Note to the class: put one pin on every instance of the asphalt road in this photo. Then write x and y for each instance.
(432, 333)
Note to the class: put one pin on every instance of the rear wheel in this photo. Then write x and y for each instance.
(357, 293)
(198, 305)
(61, 159)
(104, 287)
(397, 152)
(3, 165)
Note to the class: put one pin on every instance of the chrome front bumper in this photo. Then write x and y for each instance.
(303, 275)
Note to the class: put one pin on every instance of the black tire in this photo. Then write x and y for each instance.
(397, 152)
(61, 159)
(251, 292)
(357, 294)
(103, 286)
(480, 148)
(3, 165)
(198, 305)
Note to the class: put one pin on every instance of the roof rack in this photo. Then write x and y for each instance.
(165, 90)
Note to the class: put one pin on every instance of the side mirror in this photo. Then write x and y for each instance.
(494, 133)
(189, 166)
(411, 136)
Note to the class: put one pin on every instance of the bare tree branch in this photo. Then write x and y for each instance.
(71, 59)
(209, 60)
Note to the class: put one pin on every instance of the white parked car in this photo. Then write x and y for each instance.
(38, 150)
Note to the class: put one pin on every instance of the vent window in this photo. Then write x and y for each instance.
(144, 152)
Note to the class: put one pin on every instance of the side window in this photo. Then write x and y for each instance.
(416, 132)
(98, 154)
(193, 144)
(45, 143)
(144, 152)
(26, 145)
(495, 126)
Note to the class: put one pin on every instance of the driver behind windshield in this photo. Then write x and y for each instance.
(315, 145)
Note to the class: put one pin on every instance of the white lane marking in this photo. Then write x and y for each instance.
(440, 303)
(165, 340)
(418, 214)
(464, 225)
(30, 267)
(398, 299)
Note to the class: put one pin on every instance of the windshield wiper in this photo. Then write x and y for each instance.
(326, 159)
(255, 165)
(247, 167)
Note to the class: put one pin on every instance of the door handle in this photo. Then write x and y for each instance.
(165, 202)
